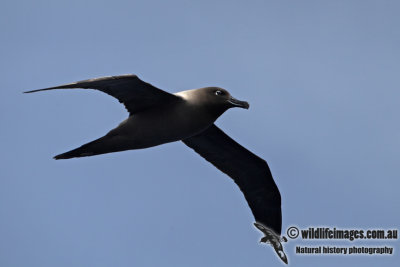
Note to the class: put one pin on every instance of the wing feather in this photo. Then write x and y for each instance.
(250, 173)
(135, 94)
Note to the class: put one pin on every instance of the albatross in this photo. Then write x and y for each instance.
(157, 117)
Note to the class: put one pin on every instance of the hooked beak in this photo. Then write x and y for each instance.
(238, 103)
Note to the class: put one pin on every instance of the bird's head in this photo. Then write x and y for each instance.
(221, 97)
(213, 98)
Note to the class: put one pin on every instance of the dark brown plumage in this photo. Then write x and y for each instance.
(157, 117)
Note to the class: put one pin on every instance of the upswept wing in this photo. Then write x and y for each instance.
(135, 94)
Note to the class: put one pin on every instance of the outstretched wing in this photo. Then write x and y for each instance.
(249, 172)
(134, 93)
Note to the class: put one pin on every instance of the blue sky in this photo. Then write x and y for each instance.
(322, 81)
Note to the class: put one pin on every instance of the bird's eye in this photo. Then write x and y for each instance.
(219, 92)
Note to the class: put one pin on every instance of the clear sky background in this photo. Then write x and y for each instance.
(322, 79)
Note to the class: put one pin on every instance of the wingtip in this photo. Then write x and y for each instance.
(32, 91)
(60, 156)
(285, 259)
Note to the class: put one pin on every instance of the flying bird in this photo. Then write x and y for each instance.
(272, 238)
(157, 117)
